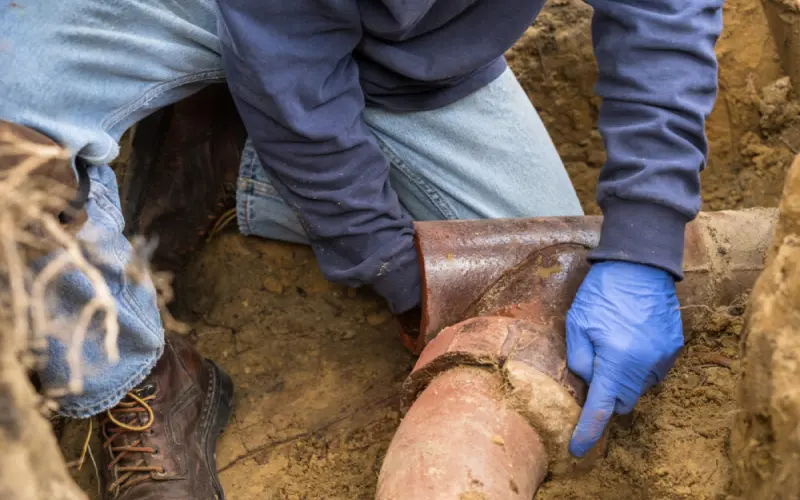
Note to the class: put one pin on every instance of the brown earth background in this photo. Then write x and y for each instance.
(318, 367)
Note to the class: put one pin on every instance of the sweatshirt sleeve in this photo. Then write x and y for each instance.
(658, 81)
(290, 70)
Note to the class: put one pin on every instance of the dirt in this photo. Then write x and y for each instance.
(764, 440)
(318, 370)
(675, 444)
(555, 64)
(318, 367)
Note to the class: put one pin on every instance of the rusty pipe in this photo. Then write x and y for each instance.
(495, 299)
(461, 260)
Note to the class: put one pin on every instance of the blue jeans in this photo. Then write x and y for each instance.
(83, 71)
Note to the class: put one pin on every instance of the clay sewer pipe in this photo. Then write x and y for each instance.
(490, 404)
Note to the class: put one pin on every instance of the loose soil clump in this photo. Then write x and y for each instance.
(765, 440)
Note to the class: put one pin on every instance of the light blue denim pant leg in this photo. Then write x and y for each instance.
(485, 156)
(82, 72)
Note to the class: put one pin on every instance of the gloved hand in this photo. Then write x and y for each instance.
(623, 335)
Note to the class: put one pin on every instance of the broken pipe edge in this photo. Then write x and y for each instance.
(549, 401)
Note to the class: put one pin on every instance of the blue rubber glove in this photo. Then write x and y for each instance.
(624, 333)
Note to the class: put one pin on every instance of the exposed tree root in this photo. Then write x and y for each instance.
(31, 465)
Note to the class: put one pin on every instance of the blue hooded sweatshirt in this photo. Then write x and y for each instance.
(302, 71)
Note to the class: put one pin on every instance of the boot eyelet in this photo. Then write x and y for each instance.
(156, 451)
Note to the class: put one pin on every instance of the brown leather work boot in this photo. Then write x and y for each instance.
(160, 441)
(181, 175)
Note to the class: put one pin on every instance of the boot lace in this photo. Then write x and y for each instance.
(124, 441)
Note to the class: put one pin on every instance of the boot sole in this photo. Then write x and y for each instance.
(220, 406)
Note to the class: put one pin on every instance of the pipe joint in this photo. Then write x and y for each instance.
(530, 360)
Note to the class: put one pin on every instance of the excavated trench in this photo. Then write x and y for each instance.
(319, 369)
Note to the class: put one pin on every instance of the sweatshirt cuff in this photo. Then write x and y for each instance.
(401, 286)
(642, 233)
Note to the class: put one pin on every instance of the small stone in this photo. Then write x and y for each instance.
(377, 319)
(597, 158)
(247, 370)
(350, 334)
(224, 354)
(274, 286)
(498, 440)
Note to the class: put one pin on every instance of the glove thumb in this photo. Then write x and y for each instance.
(595, 416)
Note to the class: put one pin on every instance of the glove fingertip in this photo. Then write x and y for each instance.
(579, 446)
(596, 413)
(577, 450)
(624, 408)
(588, 432)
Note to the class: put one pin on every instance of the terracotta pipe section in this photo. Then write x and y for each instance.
(461, 260)
(483, 390)
(500, 456)
(491, 398)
